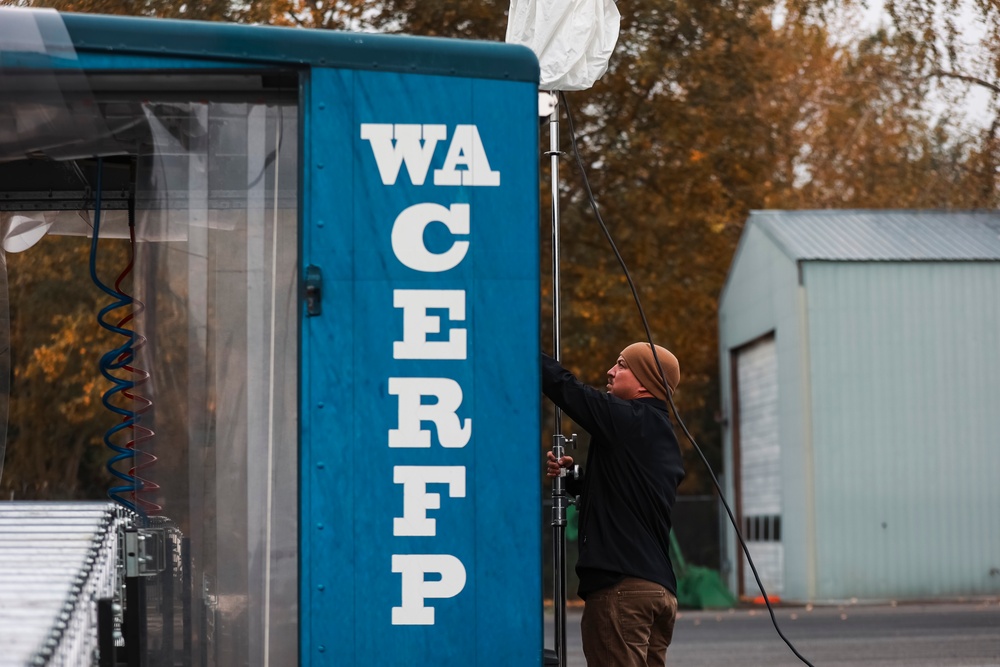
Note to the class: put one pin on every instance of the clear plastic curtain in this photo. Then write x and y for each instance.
(33, 113)
(216, 305)
(4, 358)
(218, 256)
(46, 105)
(47, 110)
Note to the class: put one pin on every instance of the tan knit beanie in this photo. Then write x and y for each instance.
(639, 357)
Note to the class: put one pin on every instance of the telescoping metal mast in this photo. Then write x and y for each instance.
(559, 441)
(573, 42)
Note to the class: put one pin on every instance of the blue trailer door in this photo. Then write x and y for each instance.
(420, 459)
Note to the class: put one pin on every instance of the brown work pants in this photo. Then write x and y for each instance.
(629, 624)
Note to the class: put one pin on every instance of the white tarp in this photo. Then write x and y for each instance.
(573, 39)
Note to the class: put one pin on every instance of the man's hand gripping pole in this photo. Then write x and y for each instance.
(560, 501)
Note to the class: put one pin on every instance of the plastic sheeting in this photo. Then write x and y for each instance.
(4, 358)
(573, 39)
(216, 183)
(219, 290)
(46, 105)
(46, 109)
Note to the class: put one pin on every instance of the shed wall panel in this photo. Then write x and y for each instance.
(746, 309)
(905, 361)
(762, 295)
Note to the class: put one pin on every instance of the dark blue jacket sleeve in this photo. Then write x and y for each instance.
(592, 409)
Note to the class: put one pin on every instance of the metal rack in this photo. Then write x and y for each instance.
(57, 560)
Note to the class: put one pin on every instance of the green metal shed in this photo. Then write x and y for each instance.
(860, 361)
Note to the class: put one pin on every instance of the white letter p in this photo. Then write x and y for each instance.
(416, 588)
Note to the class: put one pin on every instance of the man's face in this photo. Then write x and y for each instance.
(621, 382)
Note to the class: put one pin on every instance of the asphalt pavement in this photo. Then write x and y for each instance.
(956, 633)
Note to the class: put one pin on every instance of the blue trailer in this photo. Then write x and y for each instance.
(324, 412)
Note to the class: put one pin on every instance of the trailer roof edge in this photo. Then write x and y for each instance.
(317, 48)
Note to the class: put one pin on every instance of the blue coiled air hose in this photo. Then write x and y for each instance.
(115, 360)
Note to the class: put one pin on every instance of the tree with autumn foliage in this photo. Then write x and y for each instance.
(708, 111)
(56, 420)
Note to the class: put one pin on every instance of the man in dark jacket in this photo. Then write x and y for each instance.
(627, 493)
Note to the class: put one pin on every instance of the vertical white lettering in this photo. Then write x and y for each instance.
(466, 149)
(408, 236)
(416, 499)
(417, 324)
(416, 588)
(390, 155)
(451, 431)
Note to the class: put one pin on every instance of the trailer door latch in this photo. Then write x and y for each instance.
(314, 291)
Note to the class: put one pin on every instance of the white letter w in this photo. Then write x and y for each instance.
(395, 144)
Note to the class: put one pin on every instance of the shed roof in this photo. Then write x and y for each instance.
(883, 235)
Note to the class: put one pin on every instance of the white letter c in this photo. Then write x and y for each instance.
(408, 236)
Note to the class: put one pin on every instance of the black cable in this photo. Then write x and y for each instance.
(670, 399)
(273, 155)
